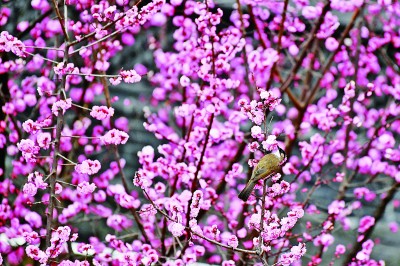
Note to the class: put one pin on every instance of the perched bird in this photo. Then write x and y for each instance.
(267, 166)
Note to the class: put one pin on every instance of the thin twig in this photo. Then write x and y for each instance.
(189, 229)
(260, 238)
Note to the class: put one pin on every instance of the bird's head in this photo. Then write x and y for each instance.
(282, 153)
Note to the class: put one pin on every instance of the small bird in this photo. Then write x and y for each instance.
(267, 166)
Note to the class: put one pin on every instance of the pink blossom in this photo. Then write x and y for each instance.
(233, 241)
(44, 140)
(127, 201)
(147, 211)
(101, 112)
(366, 251)
(114, 137)
(256, 132)
(176, 229)
(88, 166)
(118, 222)
(337, 158)
(331, 44)
(28, 149)
(35, 253)
(365, 223)
(37, 179)
(270, 143)
(31, 127)
(86, 188)
(62, 69)
(9, 43)
(32, 237)
(61, 105)
(130, 76)
(115, 81)
(394, 227)
(197, 200)
(340, 250)
(58, 189)
(296, 252)
(336, 207)
(4, 15)
(30, 189)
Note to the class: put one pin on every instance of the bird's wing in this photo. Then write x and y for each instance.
(258, 172)
(266, 169)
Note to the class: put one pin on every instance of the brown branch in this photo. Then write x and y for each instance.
(259, 249)
(61, 20)
(54, 173)
(308, 77)
(246, 63)
(104, 28)
(380, 210)
(120, 168)
(332, 56)
(173, 189)
(221, 186)
(307, 45)
(54, 176)
(189, 229)
(253, 18)
(279, 47)
(194, 181)
(33, 24)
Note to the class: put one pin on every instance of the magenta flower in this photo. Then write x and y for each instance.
(28, 149)
(101, 112)
(365, 223)
(118, 222)
(44, 140)
(114, 137)
(30, 189)
(176, 229)
(35, 253)
(86, 188)
(61, 105)
(88, 166)
(130, 76)
(9, 43)
(233, 241)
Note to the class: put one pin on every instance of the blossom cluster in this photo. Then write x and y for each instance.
(319, 80)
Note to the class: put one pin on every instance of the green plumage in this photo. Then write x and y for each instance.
(268, 165)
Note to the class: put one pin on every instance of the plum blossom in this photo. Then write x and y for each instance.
(35, 253)
(30, 189)
(176, 229)
(270, 143)
(29, 149)
(296, 252)
(86, 188)
(130, 76)
(88, 166)
(44, 140)
(233, 241)
(62, 69)
(101, 112)
(114, 137)
(63, 105)
(31, 127)
(9, 43)
(118, 222)
(365, 223)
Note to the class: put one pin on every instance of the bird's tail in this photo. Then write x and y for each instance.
(245, 194)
